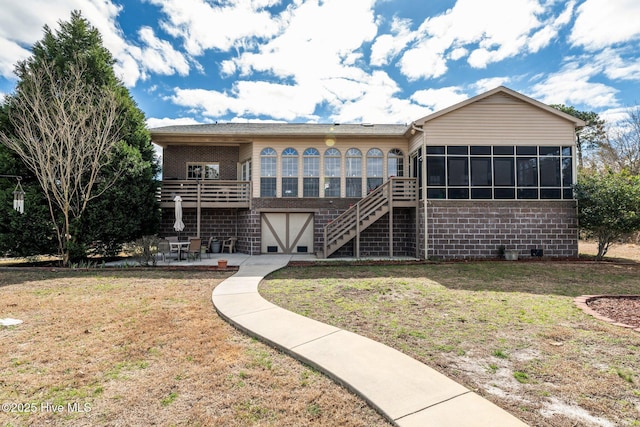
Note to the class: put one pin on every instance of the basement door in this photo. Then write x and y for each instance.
(286, 232)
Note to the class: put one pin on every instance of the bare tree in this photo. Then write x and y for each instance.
(64, 130)
(622, 147)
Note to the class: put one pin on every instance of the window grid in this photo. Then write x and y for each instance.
(311, 173)
(289, 172)
(499, 172)
(332, 174)
(329, 172)
(375, 160)
(203, 170)
(395, 163)
(354, 173)
(268, 165)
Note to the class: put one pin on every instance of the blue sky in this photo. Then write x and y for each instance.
(348, 61)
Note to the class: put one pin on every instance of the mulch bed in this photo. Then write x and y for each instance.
(621, 310)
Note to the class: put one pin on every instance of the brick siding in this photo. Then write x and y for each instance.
(473, 229)
(175, 159)
(457, 229)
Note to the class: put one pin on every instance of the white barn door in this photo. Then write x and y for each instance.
(287, 232)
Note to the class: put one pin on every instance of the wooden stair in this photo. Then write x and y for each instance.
(351, 223)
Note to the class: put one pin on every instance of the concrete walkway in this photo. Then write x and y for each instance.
(405, 391)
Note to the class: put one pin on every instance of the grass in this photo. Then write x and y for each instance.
(145, 347)
(508, 330)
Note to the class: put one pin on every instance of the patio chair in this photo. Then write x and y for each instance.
(229, 244)
(164, 249)
(195, 248)
(207, 249)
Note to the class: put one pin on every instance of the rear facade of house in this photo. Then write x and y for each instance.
(492, 173)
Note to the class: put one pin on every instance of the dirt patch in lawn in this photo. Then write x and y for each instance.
(508, 330)
(147, 348)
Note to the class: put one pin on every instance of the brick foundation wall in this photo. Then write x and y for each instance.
(474, 229)
(457, 229)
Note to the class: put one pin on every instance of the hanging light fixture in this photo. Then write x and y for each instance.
(18, 197)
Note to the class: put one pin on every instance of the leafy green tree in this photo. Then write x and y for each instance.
(126, 180)
(589, 137)
(608, 206)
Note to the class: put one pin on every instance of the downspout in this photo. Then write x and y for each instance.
(415, 129)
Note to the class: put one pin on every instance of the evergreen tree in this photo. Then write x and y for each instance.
(127, 209)
(589, 137)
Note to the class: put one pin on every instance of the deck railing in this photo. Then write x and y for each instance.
(206, 194)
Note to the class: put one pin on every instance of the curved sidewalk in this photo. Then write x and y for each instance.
(405, 391)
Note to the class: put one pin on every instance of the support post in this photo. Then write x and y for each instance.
(390, 194)
(415, 129)
(357, 230)
(199, 204)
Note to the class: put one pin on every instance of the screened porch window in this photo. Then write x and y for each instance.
(499, 172)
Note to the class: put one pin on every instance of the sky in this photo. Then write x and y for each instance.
(346, 61)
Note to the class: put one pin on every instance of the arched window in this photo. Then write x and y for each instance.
(289, 172)
(311, 173)
(395, 163)
(268, 160)
(354, 173)
(332, 160)
(375, 160)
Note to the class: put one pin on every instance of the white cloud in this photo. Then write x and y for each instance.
(602, 23)
(248, 98)
(488, 31)
(316, 60)
(484, 85)
(617, 66)
(572, 85)
(425, 60)
(387, 46)
(377, 103)
(437, 99)
(10, 53)
(21, 25)
(318, 41)
(550, 29)
(159, 56)
(203, 25)
(156, 122)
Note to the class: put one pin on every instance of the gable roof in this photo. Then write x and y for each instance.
(505, 90)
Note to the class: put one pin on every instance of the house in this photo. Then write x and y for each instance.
(491, 173)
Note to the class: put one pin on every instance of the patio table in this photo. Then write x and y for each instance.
(180, 246)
